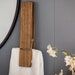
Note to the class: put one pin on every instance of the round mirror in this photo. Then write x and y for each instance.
(9, 10)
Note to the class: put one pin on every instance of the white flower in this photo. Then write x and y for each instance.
(72, 67)
(61, 73)
(68, 60)
(49, 47)
(50, 51)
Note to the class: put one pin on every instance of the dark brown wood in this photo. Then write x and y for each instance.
(26, 33)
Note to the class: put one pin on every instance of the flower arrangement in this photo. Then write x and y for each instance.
(68, 59)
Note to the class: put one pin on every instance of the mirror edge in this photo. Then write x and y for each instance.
(13, 24)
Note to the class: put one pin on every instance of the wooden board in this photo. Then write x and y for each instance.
(26, 33)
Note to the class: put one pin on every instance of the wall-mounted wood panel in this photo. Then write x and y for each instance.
(26, 33)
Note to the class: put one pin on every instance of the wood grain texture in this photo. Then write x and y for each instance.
(26, 33)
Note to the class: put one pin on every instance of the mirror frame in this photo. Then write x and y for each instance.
(12, 25)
